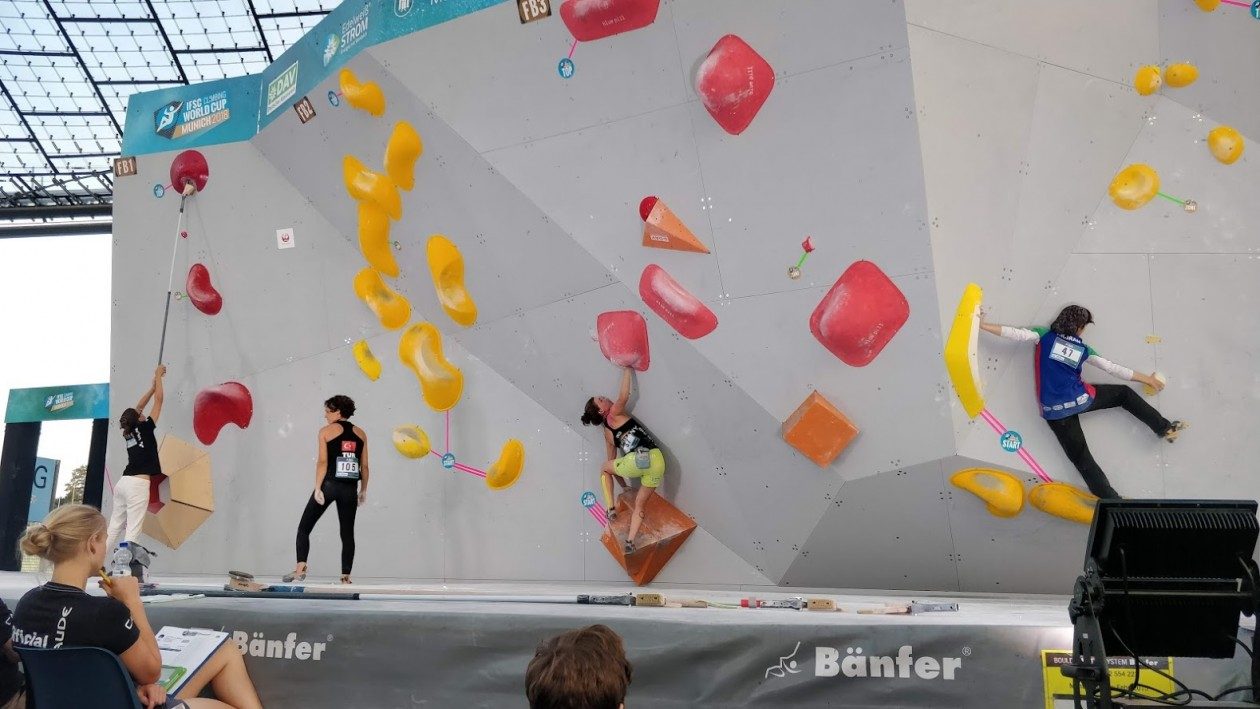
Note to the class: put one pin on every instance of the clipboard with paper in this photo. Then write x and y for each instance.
(184, 652)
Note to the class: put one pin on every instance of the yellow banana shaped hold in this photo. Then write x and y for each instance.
(507, 469)
(363, 95)
(401, 152)
(391, 308)
(441, 382)
(446, 265)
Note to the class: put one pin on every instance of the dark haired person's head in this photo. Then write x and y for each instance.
(1072, 320)
(596, 410)
(580, 669)
(338, 407)
(128, 421)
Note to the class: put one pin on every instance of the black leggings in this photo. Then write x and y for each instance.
(346, 495)
(1072, 438)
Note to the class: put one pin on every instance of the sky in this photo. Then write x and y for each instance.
(55, 320)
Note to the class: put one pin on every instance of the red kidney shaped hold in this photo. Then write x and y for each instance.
(733, 82)
(589, 20)
(217, 406)
(623, 339)
(676, 305)
(201, 292)
(860, 314)
(189, 165)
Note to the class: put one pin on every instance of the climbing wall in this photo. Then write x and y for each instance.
(755, 125)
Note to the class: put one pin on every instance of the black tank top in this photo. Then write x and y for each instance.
(630, 436)
(345, 454)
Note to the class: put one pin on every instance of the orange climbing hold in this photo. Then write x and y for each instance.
(1226, 144)
(662, 229)
(401, 152)
(366, 95)
(446, 265)
(818, 430)
(374, 239)
(1063, 501)
(661, 535)
(1134, 186)
(1207, 5)
(1002, 493)
(391, 307)
(507, 469)
(441, 382)
(366, 185)
(1181, 75)
(1147, 80)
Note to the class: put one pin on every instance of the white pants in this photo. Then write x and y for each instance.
(131, 500)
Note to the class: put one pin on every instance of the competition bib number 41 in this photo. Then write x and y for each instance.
(1066, 352)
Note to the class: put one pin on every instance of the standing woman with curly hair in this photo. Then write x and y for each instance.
(1061, 354)
(341, 477)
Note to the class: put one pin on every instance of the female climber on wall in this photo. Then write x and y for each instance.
(631, 453)
(131, 494)
(1064, 396)
(341, 476)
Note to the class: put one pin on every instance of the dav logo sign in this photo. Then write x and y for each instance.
(853, 662)
(282, 88)
(59, 402)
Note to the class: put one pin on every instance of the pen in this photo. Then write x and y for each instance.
(105, 578)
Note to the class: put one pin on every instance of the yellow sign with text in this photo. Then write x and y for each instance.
(1059, 688)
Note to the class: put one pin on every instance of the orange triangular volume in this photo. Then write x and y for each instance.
(664, 230)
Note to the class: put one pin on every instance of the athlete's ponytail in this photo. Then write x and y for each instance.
(129, 420)
(592, 416)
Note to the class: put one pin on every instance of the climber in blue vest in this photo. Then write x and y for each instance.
(1061, 354)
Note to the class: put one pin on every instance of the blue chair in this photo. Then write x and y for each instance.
(69, 678)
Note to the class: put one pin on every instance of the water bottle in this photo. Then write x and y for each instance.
(121, 564)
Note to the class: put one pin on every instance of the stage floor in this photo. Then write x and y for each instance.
(390, 651)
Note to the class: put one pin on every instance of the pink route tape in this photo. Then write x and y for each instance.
(1024, 455)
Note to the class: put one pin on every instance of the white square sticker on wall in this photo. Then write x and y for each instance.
(284, 238)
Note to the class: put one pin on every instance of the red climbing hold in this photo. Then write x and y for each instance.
(189, 165)
(733, 82)
(623, 338)
(201, 292)
(589, 20)
(217, 406)
(676, 305)
(860, 314)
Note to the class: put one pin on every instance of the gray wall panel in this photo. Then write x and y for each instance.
(1222, 44)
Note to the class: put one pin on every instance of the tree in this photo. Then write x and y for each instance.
(74, 489)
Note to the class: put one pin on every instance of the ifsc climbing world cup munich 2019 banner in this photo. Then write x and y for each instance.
(235, 109)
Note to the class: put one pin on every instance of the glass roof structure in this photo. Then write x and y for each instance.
(68, 66)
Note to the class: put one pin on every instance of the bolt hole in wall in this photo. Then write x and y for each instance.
(56, 325)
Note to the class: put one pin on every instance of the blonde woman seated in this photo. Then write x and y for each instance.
(62, 614)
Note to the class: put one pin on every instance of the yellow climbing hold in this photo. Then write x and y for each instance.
(1207, 5)
(1134, 186)
(1150, 390)
(401, 152)
(1181, 75)
(1064, 501)
(366, 96)
(374, 239)
(390, 306)
(508, 467)
(1226, 144)
(1002, 493)
(367, 361)
(446, 265)
(366, 185)
(1147, 81)
(412, 441)
(962, 360)
(441, 382)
